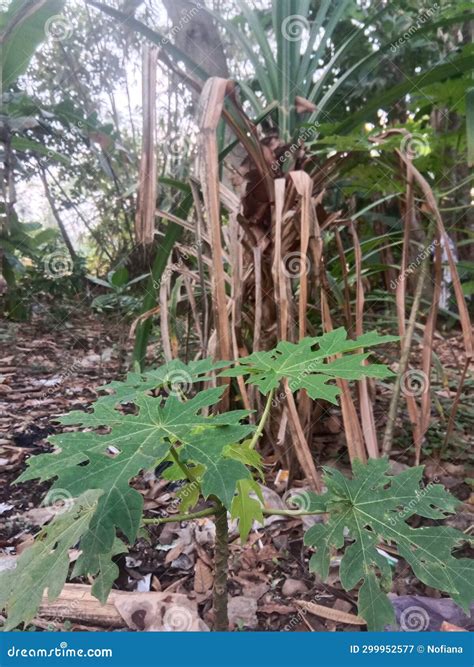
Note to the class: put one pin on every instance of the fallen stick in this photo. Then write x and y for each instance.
(148, 611)
(330, 614)
(77, 604)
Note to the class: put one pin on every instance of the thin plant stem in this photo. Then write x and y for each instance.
(210, 511)
(290, 513)
(176, 518)
(262, 422)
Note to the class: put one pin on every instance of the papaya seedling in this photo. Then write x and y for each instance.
(215, 456)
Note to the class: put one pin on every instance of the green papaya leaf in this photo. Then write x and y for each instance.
(189, 496)
(309, 368)
(173, 377)
(246, 454)
(222, 473)
(102, 565)
(245, 508)
(108, 461)
(45, 565)
(374, 506)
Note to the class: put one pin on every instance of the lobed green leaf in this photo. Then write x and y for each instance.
(45, 565)
(310, 365)
(373, 507)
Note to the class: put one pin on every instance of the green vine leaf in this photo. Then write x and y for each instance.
(45, 564)
(308, 368)
(373, 507)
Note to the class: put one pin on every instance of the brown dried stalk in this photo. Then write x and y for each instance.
(147, 189)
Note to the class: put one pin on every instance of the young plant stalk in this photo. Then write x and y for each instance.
(263, 421)
(221, 560)
(221, 552)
